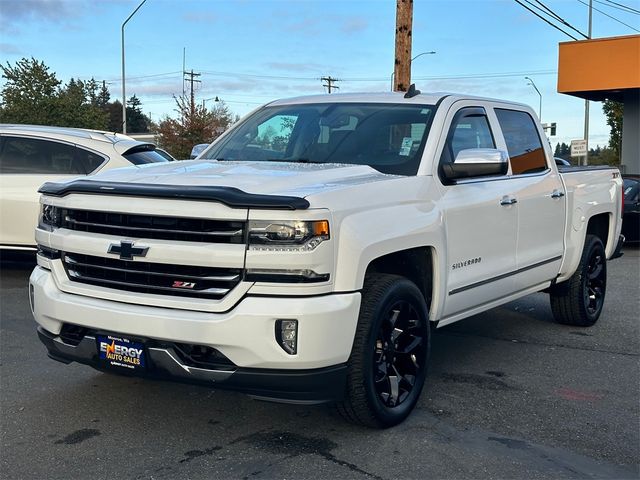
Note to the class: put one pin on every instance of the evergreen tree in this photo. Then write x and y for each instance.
(137, 122)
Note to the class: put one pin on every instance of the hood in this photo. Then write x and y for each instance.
(268, 178)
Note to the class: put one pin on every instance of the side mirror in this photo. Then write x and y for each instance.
(477, 162)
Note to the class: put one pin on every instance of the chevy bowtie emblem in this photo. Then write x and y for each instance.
(127, 251)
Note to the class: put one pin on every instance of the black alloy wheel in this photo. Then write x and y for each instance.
(579, 300)
(388, 363)
(399, 344)
(595, 283)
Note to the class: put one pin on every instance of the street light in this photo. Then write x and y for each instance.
(534, 86)
(205, 100)
(124, 94)
(411, 61)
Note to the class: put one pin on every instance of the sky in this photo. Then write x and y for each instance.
(251, 52)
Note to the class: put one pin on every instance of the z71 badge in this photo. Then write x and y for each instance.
(178, 284)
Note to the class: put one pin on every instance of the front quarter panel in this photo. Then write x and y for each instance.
(393, 216)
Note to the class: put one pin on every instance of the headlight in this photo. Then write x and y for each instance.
(49, 217)
(287, 234)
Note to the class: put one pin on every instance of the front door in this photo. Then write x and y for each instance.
(480, 222)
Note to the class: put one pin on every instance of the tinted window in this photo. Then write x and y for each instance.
(630, 188)
(387, 137)
(90, 161)
(29, 156)
(469, 129)
(144, 154)
(523, 142)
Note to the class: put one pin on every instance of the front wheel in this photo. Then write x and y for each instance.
(388, 362)
(579, 300)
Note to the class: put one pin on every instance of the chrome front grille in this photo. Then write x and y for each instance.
(154, 226)
(157, 278)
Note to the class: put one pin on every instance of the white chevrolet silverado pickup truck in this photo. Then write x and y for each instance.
(304, 256)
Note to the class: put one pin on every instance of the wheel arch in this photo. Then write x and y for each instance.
(417, 264)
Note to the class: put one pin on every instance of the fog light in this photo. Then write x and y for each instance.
(287, 335)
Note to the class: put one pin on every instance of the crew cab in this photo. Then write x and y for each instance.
(305, 254)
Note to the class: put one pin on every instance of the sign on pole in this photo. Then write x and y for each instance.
(578, 148)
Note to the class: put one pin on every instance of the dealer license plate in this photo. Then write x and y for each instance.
(120, 352)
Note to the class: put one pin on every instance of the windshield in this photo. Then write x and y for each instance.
(387, 137)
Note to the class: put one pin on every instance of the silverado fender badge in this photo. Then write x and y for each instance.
(127, 251)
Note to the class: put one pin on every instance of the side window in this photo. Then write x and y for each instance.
(90, 161)
(523, 142)
(469, 129)
(31, 156)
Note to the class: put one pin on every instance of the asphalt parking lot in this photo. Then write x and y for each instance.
(510, 394)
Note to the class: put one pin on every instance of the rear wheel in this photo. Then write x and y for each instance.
(388, 363)
(579, 300)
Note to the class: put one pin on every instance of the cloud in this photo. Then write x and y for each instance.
(352, 25)
(312, 26)
(295, 67)
(9, 49)
(309, 26)
(200, 17)
(14, 12)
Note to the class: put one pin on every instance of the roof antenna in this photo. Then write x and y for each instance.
(412, 91)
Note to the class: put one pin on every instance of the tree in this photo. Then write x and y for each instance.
(614, 113)
(137, 122)
(103, 96)
(178, 136)
(78, 106)
(29, 94)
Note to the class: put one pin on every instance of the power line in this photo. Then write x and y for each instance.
(117, 80)
(463, 76)
(544, 19)
(624, 6)
(611, 17)
(556, 16)
(250, 75)
(617, 8)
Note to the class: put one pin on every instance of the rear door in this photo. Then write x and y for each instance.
(536, 186)
(481, 226)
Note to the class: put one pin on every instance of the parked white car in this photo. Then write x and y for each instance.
(31, 155)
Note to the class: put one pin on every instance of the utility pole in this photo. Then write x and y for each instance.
(586, 102)
(330, 83)
(404, 25)
(192, 80)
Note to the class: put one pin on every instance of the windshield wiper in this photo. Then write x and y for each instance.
(292, 160)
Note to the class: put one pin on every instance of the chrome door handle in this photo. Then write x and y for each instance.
(508, 200)
(557, 194)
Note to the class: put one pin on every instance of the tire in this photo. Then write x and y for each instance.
(392, 336)
(578, 301)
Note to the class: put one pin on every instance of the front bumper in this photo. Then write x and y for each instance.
(293, 386)
(257, 364)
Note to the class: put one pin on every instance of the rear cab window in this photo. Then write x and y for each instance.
(524, 145)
